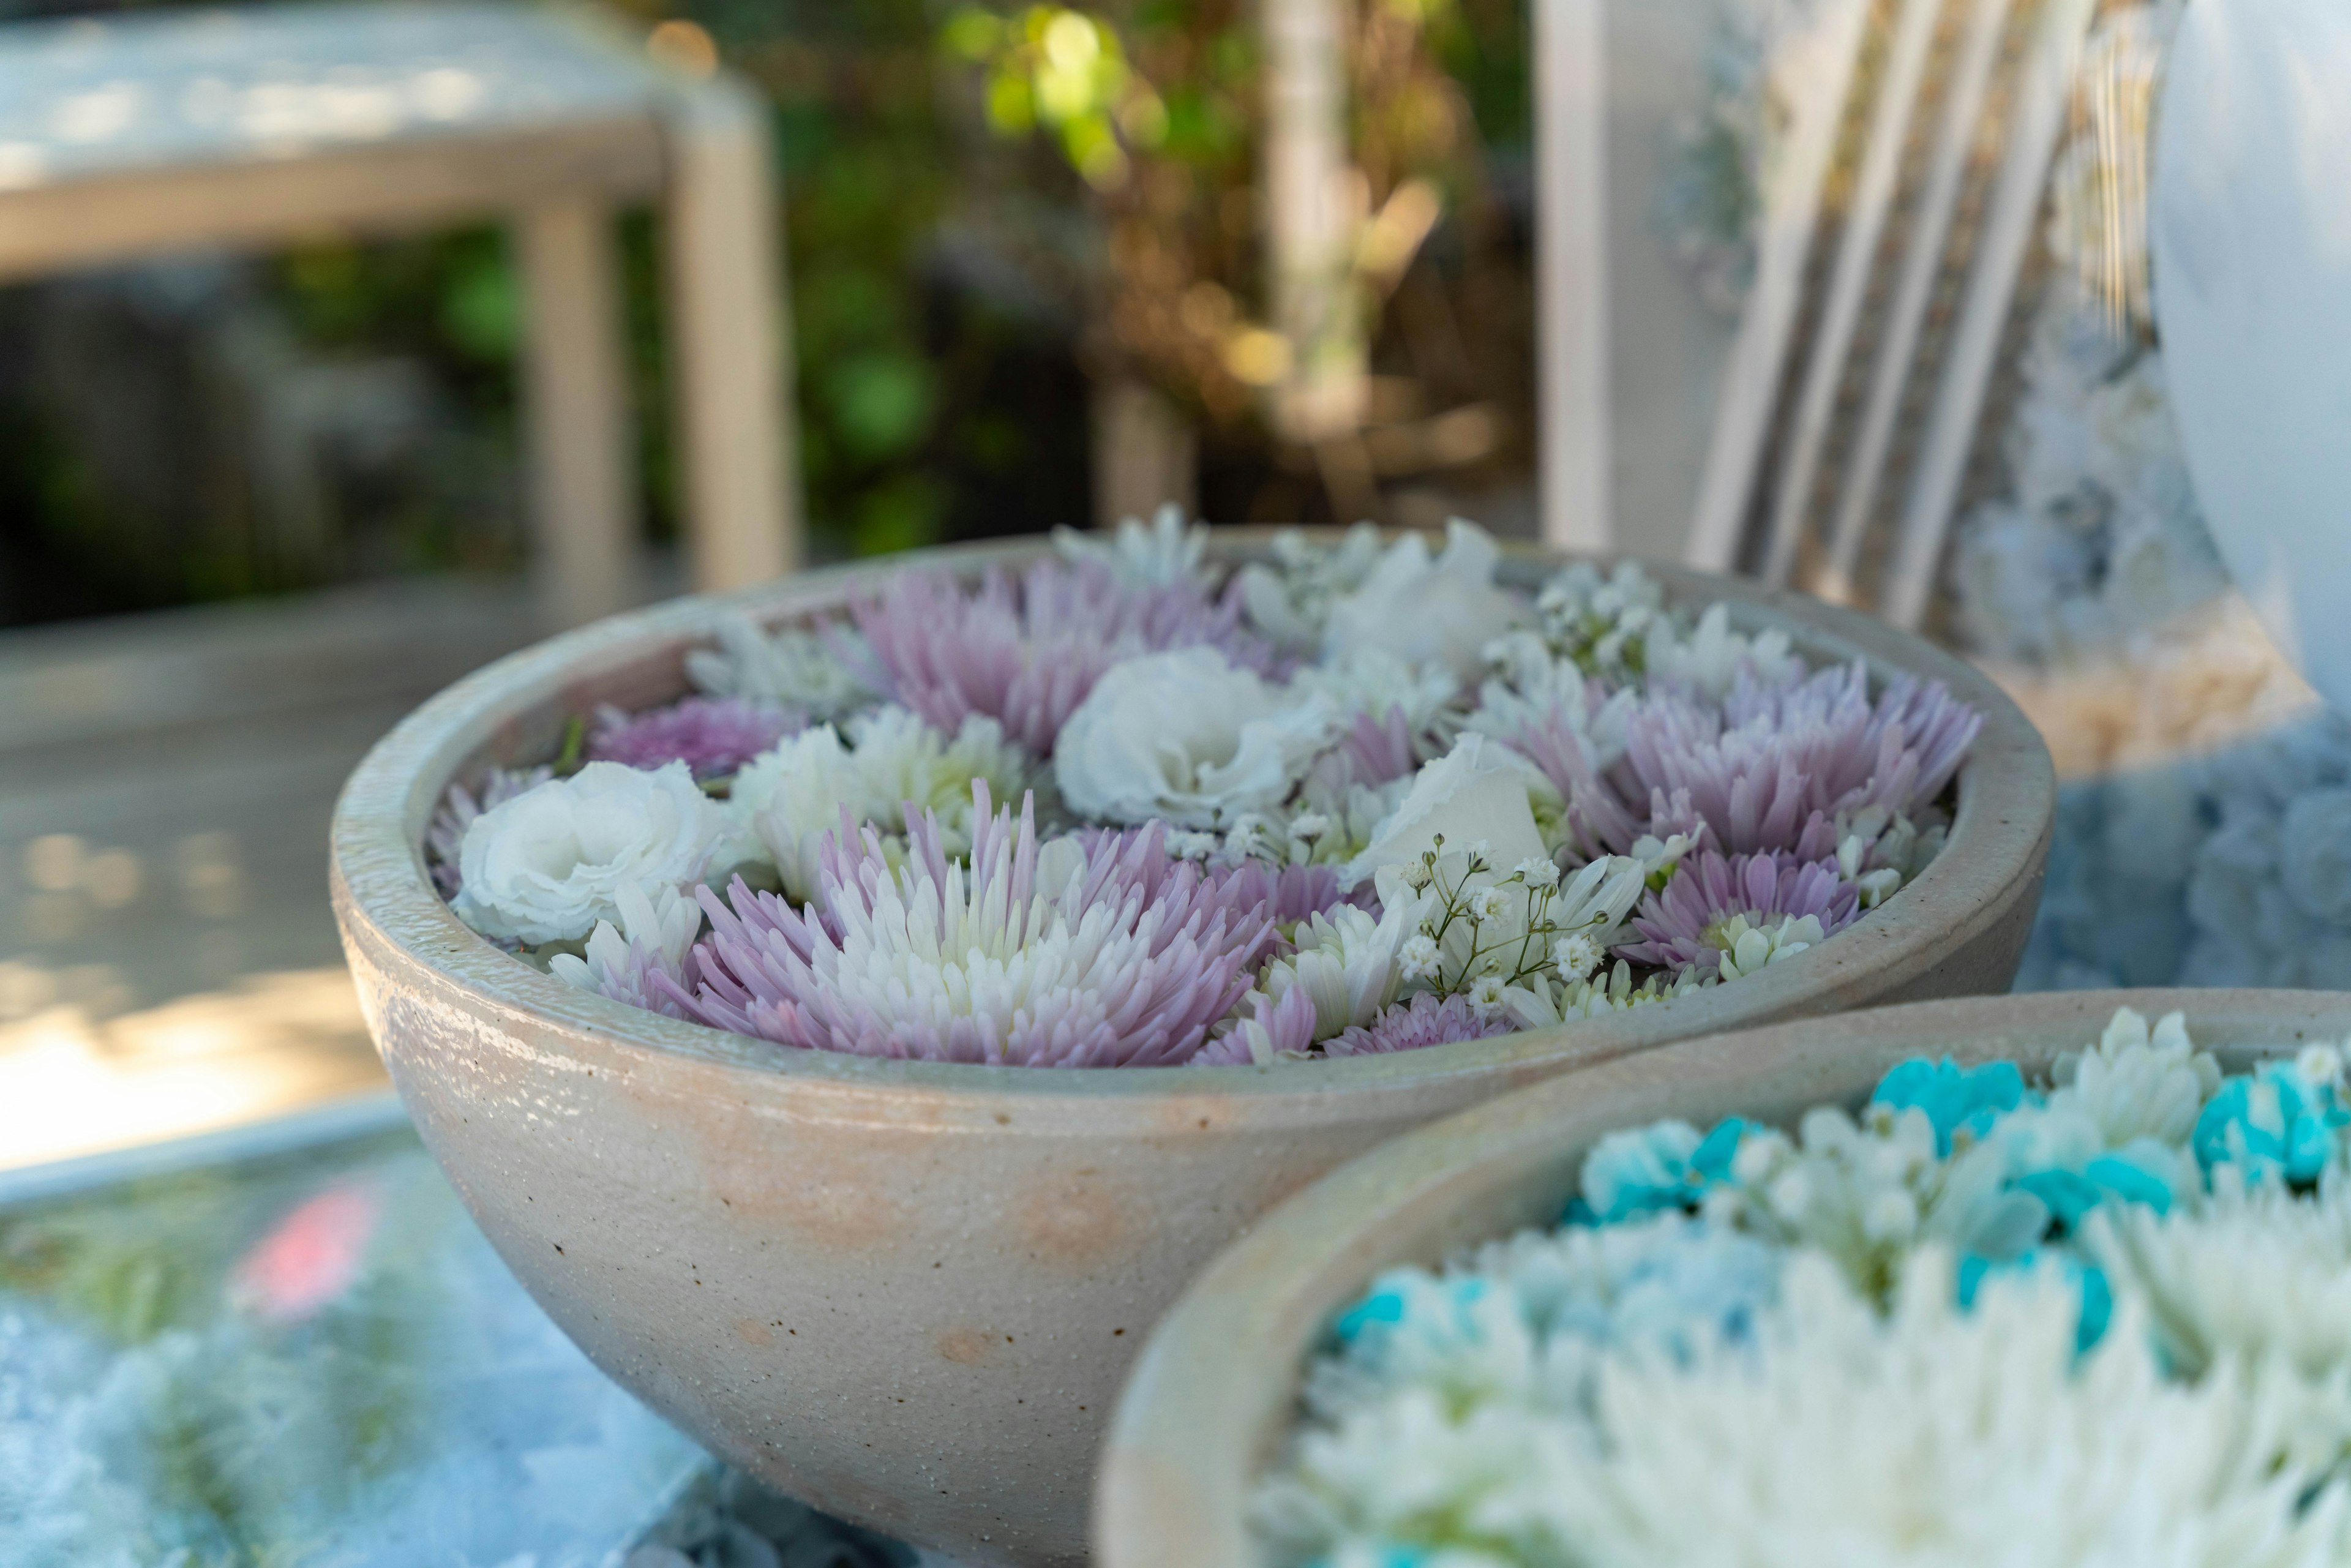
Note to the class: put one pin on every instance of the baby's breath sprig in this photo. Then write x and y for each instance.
(1481, 937)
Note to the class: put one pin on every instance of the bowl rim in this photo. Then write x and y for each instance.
(390, 911)
(1215, 1386)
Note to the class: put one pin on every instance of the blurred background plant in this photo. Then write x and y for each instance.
(1035, 279)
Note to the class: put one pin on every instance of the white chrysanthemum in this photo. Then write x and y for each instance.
(1185, 737)
(1748, 948)
(788, 799)
(1935, 1437)
(655, 936)
(1542, 1001)
(2137, 1084)
(1160, 553)
(791, 666)
(1440, 609)
(1351, 964)
(1710, 657)
(2247, 1273)
(1827, 1435)
(550, 863)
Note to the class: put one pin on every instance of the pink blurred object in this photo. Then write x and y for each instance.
(310, 1257)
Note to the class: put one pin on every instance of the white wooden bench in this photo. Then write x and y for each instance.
(127, 137)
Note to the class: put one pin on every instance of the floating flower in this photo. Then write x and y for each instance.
(2257, 1273)
(1027, 652)
(1476, 793)
(2281, 1123)
(1422, 1021)
(1188, 738)
(789, 799)
(1290, 599)
(1714, 903)
(712, 735)
(826, 673)
(548, 864)
(1776, 766)
(1117, 958)
(457, 810)
(1162, 553)
(1442, 609)
(656, 936)
(1956, 1099)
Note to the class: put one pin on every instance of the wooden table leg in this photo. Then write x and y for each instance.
(730, 342)
(580, 442)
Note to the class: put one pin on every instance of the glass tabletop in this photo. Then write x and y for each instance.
(291, 1346)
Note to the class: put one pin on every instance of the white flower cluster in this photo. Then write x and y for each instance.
(817, 673)
(1932, 1438)
(1856, 1345)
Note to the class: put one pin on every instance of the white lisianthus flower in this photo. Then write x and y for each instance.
(1185, 737)
(547, 865)
(1478, 790)
(788, 798)
(1443, 610)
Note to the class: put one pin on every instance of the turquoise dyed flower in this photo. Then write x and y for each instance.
(2088, 1278)
(1664, 1166)
(1955, 1098)
(2274, 1125)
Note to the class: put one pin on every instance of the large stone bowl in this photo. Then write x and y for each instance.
(1217, 1387)
(907, 1292)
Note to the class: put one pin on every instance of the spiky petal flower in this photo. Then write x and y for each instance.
(788, 800)
(1686, 921)
(1816, 1431)
(826, 672)
(1120, 957)
(656, 936)
(1422, 1021)
(1158, 554)
(1028, 651)
(712, 735)
(1777, 763)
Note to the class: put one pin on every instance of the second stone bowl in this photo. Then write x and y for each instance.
(1216, 1388)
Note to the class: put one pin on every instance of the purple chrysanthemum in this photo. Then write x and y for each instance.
(1056, 956)
(1264, 1031)
(1373, 751)
(1026, 653)
(712, 735)
(1771, 768)
(1422, 1021)
(1682, 923)
(445, 835)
